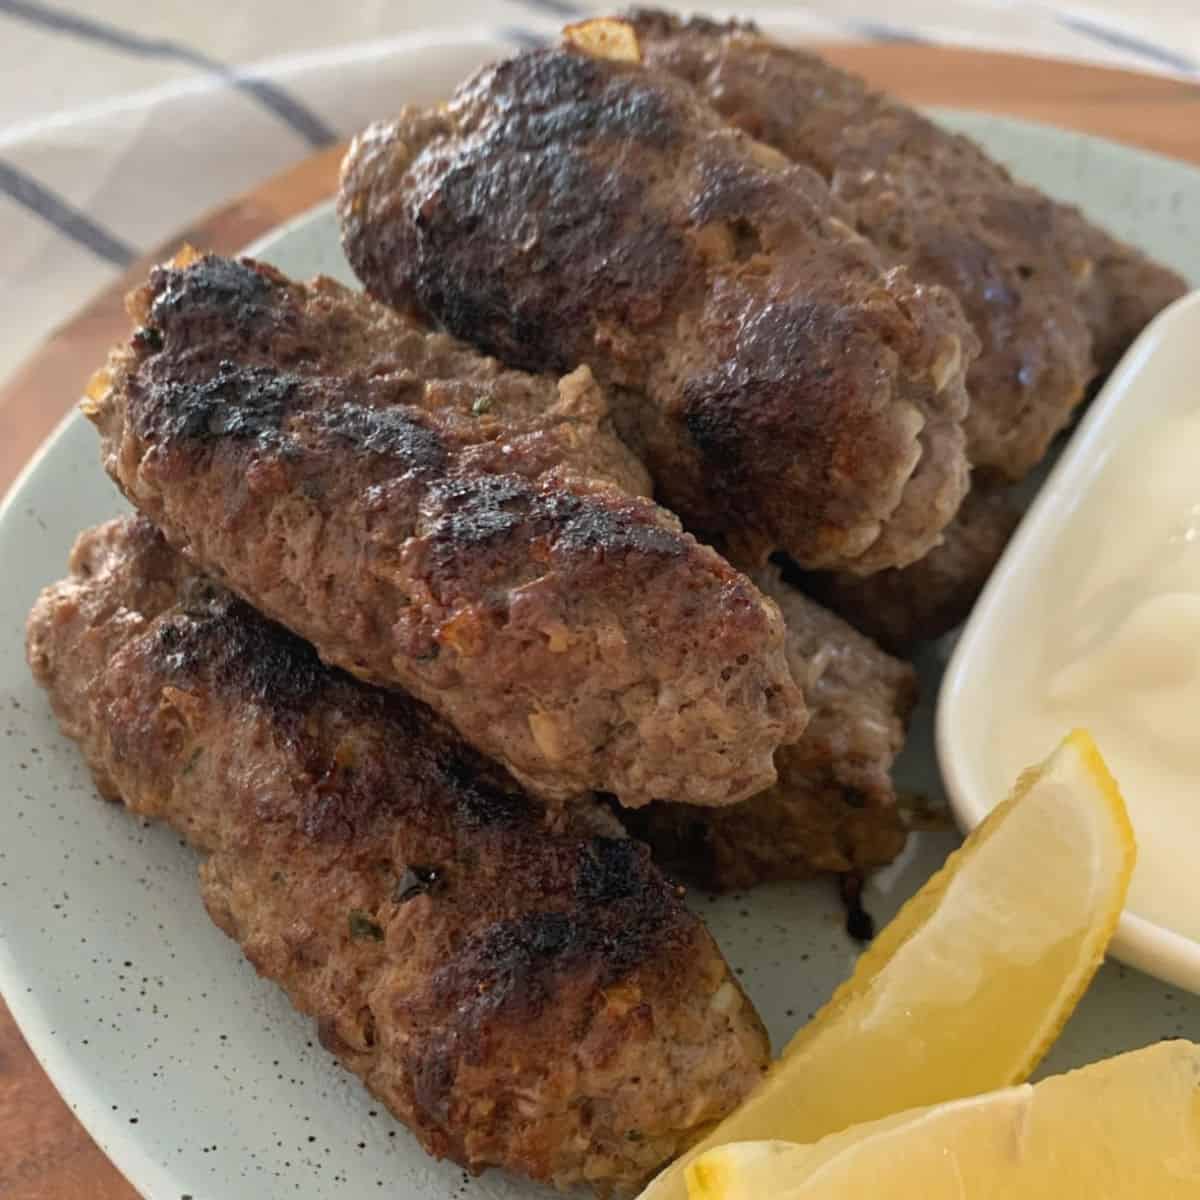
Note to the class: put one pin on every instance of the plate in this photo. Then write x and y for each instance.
(991, 674)
(195, 1076)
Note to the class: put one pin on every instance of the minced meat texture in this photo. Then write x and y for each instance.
(432, 521)
(901, 607)
(834, 807)
(521, 992)
(1052, 297)
(784, 388)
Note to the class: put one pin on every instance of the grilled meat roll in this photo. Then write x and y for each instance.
(899, 608)
(423, 517)
(834, 807)
(783, 387)
(525, 996)
(1052, 297)
(1123, 290)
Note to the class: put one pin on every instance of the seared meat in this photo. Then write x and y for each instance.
(834, 807)
(899, 608)
(1036, 279)
(533, 998)
(413, 510)
(785, 390)
(1124, 289)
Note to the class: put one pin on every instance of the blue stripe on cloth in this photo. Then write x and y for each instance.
(1130, 42)
(556, 8)
(877, 31)
(287, 108)
(63, 216)
(527, 39)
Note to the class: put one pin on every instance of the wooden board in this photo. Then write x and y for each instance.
(44, 1152)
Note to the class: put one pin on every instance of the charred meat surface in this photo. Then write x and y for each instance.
(1052, 297)
(901, 607)
(834, 807)
(432, 521)
(521, 995)
(785, 389)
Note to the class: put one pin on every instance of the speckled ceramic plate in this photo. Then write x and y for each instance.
(195, 1076)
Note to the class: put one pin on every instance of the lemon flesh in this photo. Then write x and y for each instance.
(1128, 1127)
(966, 988)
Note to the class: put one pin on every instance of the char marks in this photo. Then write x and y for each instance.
(610, 869)
(528, 201)
(472, 520)
(222, 642)
(520, 993)
(432, 521)
(1051, 297)
(480, 800)
(392, 433)
(241, 404)
(212, 288)
(564, 209)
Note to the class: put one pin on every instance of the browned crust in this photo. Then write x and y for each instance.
(521, 996)
(834, 807)
(919, 603)
(325, 458)
(783, 389)
(1052, 297)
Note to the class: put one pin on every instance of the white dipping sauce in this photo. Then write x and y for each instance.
(1121, 654)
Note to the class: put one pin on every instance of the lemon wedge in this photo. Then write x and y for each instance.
(967, 987)
(1126, 1129)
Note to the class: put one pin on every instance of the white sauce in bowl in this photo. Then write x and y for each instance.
(1120, 651)
(1092, 619)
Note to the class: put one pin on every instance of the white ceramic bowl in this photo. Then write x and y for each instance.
(994, 668)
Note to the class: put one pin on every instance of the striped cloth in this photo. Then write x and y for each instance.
(122, 121)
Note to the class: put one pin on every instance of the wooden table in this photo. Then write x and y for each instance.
(44, 1152)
